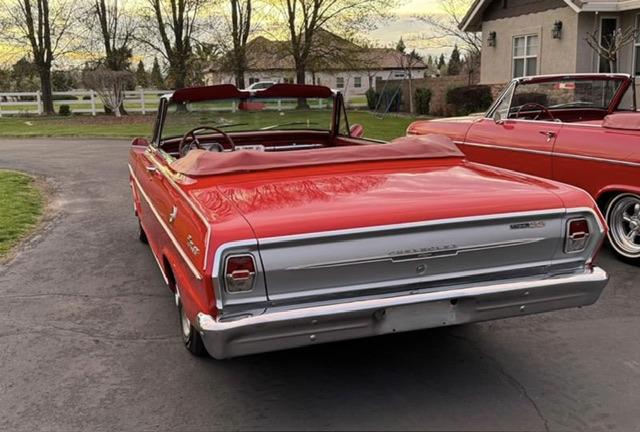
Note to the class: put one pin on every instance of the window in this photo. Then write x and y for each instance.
(317, 80)
(525, 55)
(340, 82)
(253, 80)
(636, 49)
(607, 29)
(357, 82)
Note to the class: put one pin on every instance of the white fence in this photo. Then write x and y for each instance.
(79, 101)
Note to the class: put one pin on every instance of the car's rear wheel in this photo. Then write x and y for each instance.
(623, 218)
(190, 336)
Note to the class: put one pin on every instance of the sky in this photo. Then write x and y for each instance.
(404, 24)
(411, 29)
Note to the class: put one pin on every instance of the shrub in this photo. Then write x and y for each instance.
(532, 97)
(372, 98)
(422, 99)
(64, 110)
(469, 99)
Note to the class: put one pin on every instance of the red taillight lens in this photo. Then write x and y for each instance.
(577, 235)
(240, 273)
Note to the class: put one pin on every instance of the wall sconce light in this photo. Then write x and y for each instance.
(491, 40)
(556, 31)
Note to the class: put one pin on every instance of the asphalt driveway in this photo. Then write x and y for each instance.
(89, 340)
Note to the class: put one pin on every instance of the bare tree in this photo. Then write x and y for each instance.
(44, 26)
(407, 62)
(174, 23)
(305, 17)
(446, 32)
(116, 31)
(110, 86)
(240, 30)
(608, 47)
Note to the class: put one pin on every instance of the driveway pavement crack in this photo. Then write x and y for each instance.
(510, 378)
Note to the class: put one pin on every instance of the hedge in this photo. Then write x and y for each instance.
(469, 99)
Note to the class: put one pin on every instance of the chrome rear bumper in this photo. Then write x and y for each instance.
(302, 326)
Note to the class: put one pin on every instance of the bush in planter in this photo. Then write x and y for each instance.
(422, 99)
(372, 98)
(64, 110)
(469, 99)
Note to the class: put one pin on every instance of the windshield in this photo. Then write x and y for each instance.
(560, 94)
(252, 114)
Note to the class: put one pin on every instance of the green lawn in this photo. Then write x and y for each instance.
(103, 126)
(21, 205)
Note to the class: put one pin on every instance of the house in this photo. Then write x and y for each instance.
(335, 62)
(529, 37)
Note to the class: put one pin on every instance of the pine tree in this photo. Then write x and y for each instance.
(400, 46)
(156, 79)
(142, 77)
(441, 61)
(455, 65)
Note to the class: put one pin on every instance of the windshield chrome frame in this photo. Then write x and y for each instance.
(625, 82)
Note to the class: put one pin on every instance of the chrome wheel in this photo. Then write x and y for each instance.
(623, 217)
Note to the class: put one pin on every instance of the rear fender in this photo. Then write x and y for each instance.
(193, 292)
(614, 190)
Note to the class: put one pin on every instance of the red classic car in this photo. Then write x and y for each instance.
(275, 227)
(578, 129)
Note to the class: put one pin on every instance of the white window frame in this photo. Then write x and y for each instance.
(636, 44)
(357, 82)
(524, 57)
(602, 18)
(338, 85)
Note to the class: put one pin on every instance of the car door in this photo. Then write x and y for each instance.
(596, 159)
(521, 145)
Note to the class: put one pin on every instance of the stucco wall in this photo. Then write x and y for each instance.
(554, 56)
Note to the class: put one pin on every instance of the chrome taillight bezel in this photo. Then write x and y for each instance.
(240, 280)
(577, 242)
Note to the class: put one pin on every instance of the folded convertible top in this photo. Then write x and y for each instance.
(204, 163)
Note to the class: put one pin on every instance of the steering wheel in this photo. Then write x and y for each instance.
(542, 108)
(194, 140)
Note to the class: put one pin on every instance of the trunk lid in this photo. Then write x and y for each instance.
(337, 231)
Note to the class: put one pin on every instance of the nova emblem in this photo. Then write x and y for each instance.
(527, 225)
(194, 249)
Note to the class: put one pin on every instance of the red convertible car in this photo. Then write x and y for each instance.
(578, 129)
(277, 225)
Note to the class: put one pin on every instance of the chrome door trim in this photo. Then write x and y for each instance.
(181, 251)
(541, 152)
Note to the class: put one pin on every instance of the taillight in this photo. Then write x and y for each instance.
(239, 273)
(577, 235)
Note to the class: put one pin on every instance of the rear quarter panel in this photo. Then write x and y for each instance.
(180, 248)
(597, 159)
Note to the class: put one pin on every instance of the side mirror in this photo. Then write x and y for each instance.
(356, 131)
(142, 142)
(497, 117)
